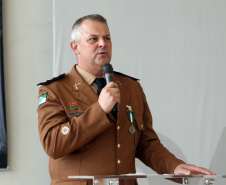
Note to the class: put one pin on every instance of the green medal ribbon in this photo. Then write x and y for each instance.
(131, 116)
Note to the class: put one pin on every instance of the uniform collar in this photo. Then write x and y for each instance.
(79, 85)
(88, 77)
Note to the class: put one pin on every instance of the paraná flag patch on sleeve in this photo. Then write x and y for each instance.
(42, 99)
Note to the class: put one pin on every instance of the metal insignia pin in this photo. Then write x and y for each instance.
(76, 85)
(119, 83)
(65, 130)
(77, 114)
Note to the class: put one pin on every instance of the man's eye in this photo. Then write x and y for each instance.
(92, 39)
(107, 38)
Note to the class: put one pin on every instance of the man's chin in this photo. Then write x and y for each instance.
(102, 63)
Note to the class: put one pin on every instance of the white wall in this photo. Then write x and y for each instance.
(27, 29)
(177, 50)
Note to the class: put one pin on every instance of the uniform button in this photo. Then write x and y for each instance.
(142, 126)
(118, 127)
(118, 145)
(119, 162)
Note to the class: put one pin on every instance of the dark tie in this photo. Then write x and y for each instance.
(101, 82)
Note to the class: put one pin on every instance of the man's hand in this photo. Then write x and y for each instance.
(188, 169)
(109, 96)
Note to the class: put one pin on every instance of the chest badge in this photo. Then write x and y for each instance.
(65, 130)
(74, 105)
(131, 118)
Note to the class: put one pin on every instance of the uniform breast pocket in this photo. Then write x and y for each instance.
(139, 127)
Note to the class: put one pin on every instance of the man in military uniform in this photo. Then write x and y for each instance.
(77, 128)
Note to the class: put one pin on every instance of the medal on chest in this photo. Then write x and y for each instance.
(132, 129)
(131, 118)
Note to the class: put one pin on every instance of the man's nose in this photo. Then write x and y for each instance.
(102, 42)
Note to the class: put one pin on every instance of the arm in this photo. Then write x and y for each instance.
(52, 118)
(150, 150)
(155, 155)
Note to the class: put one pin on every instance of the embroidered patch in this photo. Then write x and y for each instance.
(42, 99)
(76, 114)
(74, 105)
(65, 130)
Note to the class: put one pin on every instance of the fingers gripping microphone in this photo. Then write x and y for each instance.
(108, 73)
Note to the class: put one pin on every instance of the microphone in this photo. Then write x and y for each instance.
(108, 73)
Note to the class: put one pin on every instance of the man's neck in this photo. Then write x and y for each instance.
(96, 73)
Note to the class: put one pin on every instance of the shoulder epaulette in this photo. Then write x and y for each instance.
(52, 80)
(121, 74)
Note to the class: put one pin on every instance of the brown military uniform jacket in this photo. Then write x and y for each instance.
(81, 139)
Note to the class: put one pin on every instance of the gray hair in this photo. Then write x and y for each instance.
(76, 31)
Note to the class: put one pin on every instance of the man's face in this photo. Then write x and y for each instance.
(94, 48)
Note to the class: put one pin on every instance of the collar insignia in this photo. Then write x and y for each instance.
(76, 85)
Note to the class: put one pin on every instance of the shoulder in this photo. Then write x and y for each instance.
(121, 74)
(52, 80)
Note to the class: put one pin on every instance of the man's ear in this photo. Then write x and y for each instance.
(74, 47)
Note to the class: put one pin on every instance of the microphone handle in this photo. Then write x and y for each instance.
(115, 108)
(109, 78)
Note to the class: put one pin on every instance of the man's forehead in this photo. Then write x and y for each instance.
(94, 28)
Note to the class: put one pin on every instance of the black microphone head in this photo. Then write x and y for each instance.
(107, 68)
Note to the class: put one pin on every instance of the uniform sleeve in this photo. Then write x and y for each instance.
(59, 135)
(150, 150)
